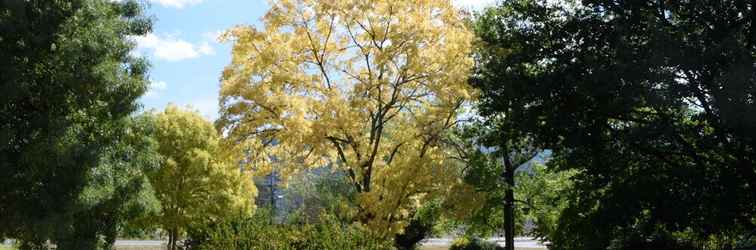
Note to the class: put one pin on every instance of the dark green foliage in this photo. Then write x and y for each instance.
(633, 240)
(493, 153)
(651, 102)
(70, 158)
(421, 226)
(117, 189)
(258, 232)
(542, 195)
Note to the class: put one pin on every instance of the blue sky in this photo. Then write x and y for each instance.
(186, 58)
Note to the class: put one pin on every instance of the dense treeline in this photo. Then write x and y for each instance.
(651, 102)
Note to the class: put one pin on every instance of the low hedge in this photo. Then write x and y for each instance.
(465, 243)
(259, 232)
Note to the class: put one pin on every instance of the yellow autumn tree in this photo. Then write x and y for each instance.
(369, 87)
(196, 181)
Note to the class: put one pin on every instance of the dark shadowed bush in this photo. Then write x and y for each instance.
(421, 226)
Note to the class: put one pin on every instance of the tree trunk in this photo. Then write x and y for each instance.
(170, 240)
(509, 220)
(752, 31)
(172, 235)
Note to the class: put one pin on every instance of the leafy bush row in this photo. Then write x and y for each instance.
(259, 232)
(466, 243)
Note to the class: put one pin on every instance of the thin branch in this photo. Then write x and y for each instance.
(318, 59)
(340, 151)
(393, 153)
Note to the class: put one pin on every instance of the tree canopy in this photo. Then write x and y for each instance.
(396, 117)
(196, 182)
(369, 87)
(68, 85)
(649, 101)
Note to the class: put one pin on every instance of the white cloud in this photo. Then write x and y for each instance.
(212, 36)
(179, 4)
(208, 107)
(170, 48)
(473, 4)
(206, 49)
(155, 88)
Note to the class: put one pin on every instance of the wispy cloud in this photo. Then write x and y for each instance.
(207, 106)
(170, 48)
(156, 87)
(212, 36)
(179, 4)
(206, 49)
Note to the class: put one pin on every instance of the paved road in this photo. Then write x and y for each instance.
(523, 242)
(140, 243)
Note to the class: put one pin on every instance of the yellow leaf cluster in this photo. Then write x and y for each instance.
(196, 181)
(367, 86)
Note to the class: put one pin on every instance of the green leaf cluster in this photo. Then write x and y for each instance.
(258, 232)
(650, 102)
(71, 158)
(196, 182)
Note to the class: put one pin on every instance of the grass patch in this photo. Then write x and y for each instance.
(7, 247)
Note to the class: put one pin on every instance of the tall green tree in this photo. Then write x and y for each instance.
(117, 190)
(68, 85)
(543, 194)
(493, 151)
(539, 190)
(651, 102)
(197, 182)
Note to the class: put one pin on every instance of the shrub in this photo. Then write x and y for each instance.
(420, 226)
(657, 240)
(465, 243)
(259, 232)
